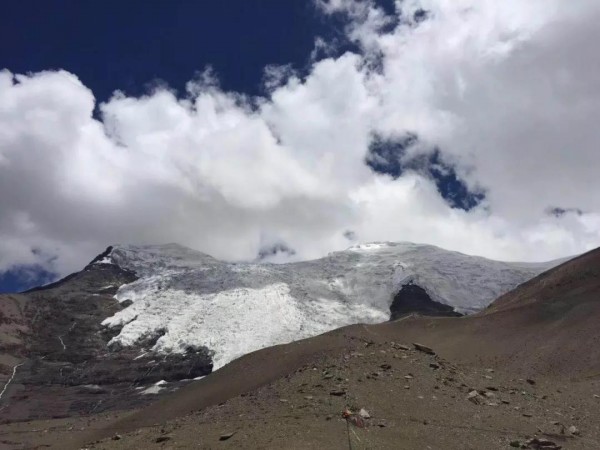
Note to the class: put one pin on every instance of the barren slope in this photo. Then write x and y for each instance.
(292, 396)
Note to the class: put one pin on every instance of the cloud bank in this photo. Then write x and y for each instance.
(507, 93)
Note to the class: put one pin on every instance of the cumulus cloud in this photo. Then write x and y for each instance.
(507, 92)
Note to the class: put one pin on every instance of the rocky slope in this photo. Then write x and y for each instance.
(55, 360)
(145, 320)
(524, 373)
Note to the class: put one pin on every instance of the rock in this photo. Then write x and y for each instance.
(337, 392)
(527, 415)
(472, 394)
(328, 376)
(401, 347)
(423, 348)
(385, 366)
(117, 437)
(596, 396)
(515, 444)
(162, 439)
(434, 365)
(530, 381)
(573, 430)
(541, 444)
(364, 413)
(226, 436)
(490, 394)
(473, 397)
(408, 377)
(308, 397)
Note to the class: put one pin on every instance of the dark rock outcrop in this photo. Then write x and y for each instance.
(414, 299)
(66, 367)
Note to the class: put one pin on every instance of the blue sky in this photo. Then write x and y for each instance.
(129, 45)
(321, 124)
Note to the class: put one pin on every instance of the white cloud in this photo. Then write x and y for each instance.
(509, 90)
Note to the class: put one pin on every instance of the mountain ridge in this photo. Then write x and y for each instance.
(196, 298)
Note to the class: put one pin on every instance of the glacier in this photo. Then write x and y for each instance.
(193, 299)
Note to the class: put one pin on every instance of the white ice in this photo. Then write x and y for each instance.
(236, 308)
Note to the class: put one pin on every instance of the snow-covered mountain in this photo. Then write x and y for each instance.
(186, 299)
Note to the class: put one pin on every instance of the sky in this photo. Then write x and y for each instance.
(279, 131)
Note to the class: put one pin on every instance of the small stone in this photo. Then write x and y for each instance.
(473, 397)
(385, 366)
(226, 436)
(117, 437)
(596, 396)
(573, 430)
(402, 347)
(527, 415)
(407, 387)
(364, 413)
(490, 394)
(530, 381)
(515, 444)
(338, 392)
(308, 397)
(283, 400)
(408, 377)
(328, 376)
(472, 394)
(423, 348)
(162, 439)
(329, 417)
(434, 365)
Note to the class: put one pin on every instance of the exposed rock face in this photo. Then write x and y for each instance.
(414, 299)
(65, 367)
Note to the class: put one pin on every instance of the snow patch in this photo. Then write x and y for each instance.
(105, 260)
(155, 388)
